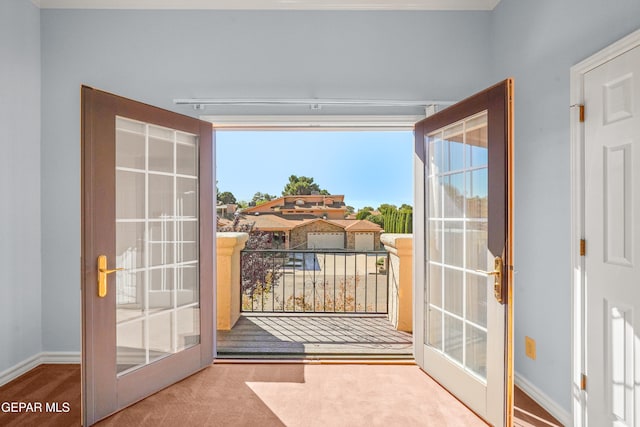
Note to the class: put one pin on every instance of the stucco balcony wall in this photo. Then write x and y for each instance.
(228, 247)
(400, 271)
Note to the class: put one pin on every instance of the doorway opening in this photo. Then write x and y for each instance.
(314, 279)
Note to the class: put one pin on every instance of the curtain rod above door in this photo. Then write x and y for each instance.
(313, 103)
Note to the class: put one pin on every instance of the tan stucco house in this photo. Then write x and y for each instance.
(312, 222)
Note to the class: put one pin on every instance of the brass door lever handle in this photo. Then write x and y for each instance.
(110, 271)
(489, 273)
(497, 282)
(102, 275)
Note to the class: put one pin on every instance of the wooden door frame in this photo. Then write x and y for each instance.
(93, 314)
(498, 125)
(577, 167)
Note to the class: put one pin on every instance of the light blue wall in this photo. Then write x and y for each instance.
(156, 56)
(537, 42)
(20, 308)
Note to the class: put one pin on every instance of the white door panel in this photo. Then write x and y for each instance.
(612, 232)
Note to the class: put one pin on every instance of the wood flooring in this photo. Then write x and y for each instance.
(44, 384)
(314, 336)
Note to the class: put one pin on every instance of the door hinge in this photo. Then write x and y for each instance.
(581, 113)
(583, 382)
(583, 247)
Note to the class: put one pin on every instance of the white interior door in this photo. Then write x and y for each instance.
(463, 296)
(612, 233)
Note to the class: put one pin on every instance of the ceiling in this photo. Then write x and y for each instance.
(272, 4)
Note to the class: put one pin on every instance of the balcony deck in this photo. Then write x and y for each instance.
(313, 336)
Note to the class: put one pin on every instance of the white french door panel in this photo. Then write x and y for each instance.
(464, 252)
(450, 376)
(476, 392)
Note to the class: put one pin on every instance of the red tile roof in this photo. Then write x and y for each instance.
(356, 224)
(274, 222)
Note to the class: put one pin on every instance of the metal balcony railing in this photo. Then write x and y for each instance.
(314, 281)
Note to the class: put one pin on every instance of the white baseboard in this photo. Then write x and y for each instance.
(53, 357)
(21, 368)
(543, 400)
(60, 357)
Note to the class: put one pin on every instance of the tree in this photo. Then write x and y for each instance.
(226, 197)
(398, 221)
(364, 212)
(405, 208)
(350, 209)
(259, 198)
(376, 219)
(386, 207)
(302, 185)
(260, 273)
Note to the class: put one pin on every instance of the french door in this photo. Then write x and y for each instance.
(463, 294)
(147, 248)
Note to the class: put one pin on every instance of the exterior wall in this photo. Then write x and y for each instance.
(284, 206)
(20, 206)
(299, 234)
(336, 215)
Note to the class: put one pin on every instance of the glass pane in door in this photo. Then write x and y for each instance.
(157, 292)
(456, 288)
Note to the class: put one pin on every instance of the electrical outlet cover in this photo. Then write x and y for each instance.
(530, 347)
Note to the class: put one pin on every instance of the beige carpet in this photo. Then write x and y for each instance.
(301, 395)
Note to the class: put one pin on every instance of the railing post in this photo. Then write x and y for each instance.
(228, 246)
(400, 278)
(387, 261)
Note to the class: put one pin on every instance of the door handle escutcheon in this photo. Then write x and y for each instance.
(497, 278)
(102, 275)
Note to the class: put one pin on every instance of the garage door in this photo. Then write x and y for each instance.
(325, 240)
(364, 241)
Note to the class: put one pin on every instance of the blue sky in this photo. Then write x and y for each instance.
(369, 168)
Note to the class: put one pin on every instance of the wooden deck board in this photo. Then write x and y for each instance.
(305, 335)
